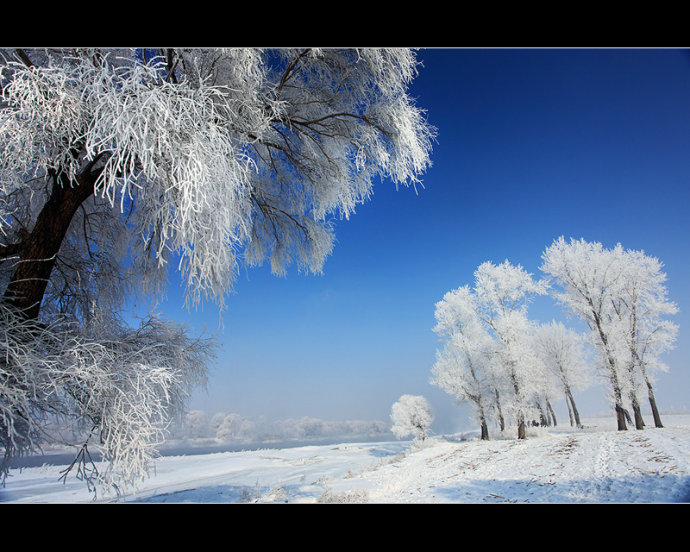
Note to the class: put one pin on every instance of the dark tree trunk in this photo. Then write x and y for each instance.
(551, 413)
(36, 255)
(485, 430)
(652, 403)
(621, 416)
(521, 431)
(571, 402)
(521, 425)
(655, 411)
(482, 419)
(570, 408)
(543, 420)
(39, 248)
(637, 413)
(618, 399)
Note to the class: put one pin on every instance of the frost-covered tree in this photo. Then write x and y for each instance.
(641, 310)
(622, 297)
(463, 364)
(117, 166)
(503, 293)
(563, 354)
(589, 276)
(488, 357)
(411, 415)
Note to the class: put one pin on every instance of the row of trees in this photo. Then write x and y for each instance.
(510, 367)
(622, 296)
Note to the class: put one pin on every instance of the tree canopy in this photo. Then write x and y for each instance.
(117, 165)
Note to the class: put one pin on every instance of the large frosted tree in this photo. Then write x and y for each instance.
(118, 165)
(463, 365)
(589, 277)
(640, 319)
(621, 295)
(488, 350)
(504, 292)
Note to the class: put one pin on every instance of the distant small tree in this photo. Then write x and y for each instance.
(411, 415)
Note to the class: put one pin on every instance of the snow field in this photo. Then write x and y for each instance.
(557, 465)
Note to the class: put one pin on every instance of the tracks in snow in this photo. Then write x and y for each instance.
(609, 466)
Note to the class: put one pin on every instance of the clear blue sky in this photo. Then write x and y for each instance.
(532, 145)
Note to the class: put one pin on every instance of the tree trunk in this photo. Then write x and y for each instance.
(501, 420)
(637, 412)
(485, 429)
(482, 418)
(655, 411)
(652, 400)
(549, 408)
(570, 411)
(477, 399)
(521, 432)
(572, 403)
(39, 248)
(613, 376)
(543, 420)
(621, 416)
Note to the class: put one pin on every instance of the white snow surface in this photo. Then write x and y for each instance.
(596, 464)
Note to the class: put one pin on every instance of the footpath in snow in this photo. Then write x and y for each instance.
(560, 465)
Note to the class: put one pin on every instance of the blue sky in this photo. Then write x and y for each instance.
(532, 144)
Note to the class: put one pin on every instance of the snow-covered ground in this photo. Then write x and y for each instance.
(557, 465)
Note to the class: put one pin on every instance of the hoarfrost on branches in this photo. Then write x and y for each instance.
(227, 154)
(114, 387)
(507, 366)
(119, 165)
(488, 357)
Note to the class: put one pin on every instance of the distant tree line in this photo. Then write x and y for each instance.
(233, 427)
